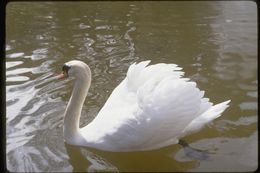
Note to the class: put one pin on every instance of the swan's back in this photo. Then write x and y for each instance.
(151, 108)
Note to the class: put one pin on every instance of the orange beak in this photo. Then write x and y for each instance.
(62, 75)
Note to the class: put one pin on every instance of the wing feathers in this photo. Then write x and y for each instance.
(167, 100)
(153, 107)
(139, 74)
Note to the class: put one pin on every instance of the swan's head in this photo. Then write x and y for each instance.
(76, 69)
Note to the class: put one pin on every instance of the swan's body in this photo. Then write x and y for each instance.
(152, 107)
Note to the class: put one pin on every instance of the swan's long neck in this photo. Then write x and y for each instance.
(73, 110)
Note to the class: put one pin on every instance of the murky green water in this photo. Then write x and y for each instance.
(214, 42)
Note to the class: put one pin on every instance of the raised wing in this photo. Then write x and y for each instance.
(149, 109)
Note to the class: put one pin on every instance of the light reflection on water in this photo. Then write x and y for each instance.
(215, 43)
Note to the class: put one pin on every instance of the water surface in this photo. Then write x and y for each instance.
(214, 42)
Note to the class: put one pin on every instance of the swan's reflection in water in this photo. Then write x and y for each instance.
(82, 159)
(92, 160)
(173, 158)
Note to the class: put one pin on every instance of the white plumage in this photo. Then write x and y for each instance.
(151, 108)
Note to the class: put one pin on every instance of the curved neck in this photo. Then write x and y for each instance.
(73, 110)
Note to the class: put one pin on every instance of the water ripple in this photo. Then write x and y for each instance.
(42, 36)
(15, 55)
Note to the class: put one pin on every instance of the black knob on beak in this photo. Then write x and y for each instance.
(66, 68)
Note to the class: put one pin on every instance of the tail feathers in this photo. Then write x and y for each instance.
(215, 111)
(206, 117)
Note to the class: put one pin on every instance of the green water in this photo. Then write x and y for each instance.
(215, 43)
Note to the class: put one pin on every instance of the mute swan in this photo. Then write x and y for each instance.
(151, 108)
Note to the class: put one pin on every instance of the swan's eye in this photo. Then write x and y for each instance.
(66, 68)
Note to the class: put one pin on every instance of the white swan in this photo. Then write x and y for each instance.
(151, 108)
